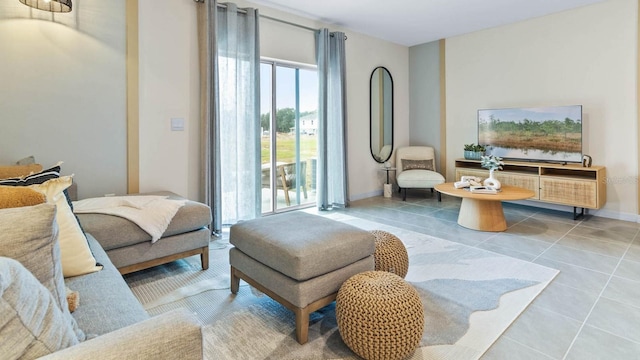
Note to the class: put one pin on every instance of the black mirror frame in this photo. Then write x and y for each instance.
(371, 114)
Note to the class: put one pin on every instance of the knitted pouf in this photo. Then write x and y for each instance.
(379, 315)
(390, 255)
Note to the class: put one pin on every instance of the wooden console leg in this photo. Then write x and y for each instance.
(235, 281)
(302, 325)
(204, 258)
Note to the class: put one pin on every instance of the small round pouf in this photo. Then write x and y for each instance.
(379, 315)
(390, 254)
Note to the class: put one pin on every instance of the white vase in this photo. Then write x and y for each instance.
(491, 181)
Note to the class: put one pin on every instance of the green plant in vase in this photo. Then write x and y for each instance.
(473, 151)
(492, 163)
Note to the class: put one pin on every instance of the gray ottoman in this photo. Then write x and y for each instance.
(298, 259)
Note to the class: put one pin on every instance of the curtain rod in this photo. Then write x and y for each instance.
(222, 5)
(289, 23)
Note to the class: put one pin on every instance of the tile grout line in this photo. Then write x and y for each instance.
(556, 242)
(497, 234)
(532, 216)
(604, 288)
(616, 335)
(526, 346)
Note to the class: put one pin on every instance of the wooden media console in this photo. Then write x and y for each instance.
(569, 184)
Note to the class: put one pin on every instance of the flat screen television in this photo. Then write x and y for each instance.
(552, 134)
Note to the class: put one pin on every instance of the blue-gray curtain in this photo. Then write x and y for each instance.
(332, 114)
(209, 146)
(232, 128)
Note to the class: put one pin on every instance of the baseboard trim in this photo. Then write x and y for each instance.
(601, 212)
(366, 195)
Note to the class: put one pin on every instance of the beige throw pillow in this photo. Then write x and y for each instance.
(13, 171)
(417, 164)
(77, 258)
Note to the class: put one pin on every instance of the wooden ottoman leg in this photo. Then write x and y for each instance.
(235, 281)
(302, 325)
(204, 258)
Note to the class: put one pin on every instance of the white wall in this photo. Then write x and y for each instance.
(169, 88)
(363, 55)
(584, 56)
(63, 92)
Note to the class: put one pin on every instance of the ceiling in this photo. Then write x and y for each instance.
(413, 22)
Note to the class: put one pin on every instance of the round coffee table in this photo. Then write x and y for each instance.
(484, 211)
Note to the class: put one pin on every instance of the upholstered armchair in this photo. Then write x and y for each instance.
(416, 169)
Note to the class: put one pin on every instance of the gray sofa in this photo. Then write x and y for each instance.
(117, 325)
(109, 322)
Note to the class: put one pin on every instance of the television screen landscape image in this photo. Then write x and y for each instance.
(533, 134)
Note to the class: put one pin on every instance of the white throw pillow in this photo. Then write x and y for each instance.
(76, 255)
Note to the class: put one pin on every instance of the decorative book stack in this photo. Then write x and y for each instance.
(483, 190)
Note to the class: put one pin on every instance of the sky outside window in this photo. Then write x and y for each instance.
(286, 90)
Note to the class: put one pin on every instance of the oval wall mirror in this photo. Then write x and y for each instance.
(381, 114)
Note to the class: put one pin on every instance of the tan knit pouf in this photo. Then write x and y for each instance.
(390, 255)
(379, 315)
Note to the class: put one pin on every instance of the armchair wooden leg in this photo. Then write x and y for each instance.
(286, 197)
(285, 188)
(404, 194)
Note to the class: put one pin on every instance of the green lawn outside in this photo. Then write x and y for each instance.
(286, 146)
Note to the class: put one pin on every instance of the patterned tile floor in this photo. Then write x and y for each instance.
(590, 311)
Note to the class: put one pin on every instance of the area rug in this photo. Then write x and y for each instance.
(470, 297)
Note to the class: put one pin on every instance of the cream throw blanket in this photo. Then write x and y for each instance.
(152, 213)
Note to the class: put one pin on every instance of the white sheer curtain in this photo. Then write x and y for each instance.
(239, 137)
(231, 130)
(332, 149)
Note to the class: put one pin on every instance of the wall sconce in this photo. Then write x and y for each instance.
(63, 6)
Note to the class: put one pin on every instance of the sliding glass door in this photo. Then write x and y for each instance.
(289, 138)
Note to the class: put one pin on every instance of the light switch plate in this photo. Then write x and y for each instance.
(177, 124)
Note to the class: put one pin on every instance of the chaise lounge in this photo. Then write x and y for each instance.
(130, 248)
